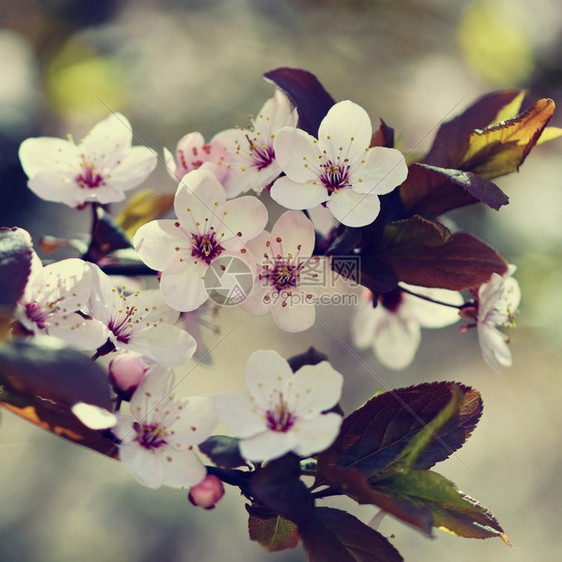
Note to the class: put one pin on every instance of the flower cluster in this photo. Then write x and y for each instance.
(349, 212)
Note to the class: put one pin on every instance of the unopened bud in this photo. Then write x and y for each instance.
(126, 372)
(207, 493)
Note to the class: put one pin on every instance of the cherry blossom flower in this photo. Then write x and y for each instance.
(497, 304)
(158, 437)
(207, 227)
(393, 328)
(339, 169)
(289, 280)
(53, 301)
(140, 321)
(284, 411)
(99, 169)
(253, 164)
(193, 153)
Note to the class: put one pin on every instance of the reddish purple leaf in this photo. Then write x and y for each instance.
(42, 383)
(372, 437)
(335, 535)
(383, 136)
(432, 190)
(278, 487)
(223, 451)
(423, 252)
(306, 93)
(354, 484)
(16, 249)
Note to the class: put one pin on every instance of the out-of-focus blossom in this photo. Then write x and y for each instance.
(393, 328)
(497, 304)
(253, 163)
(192, 153)
(158, 438)
(140, 321)
(289, 280)
(99, 169)
(338, 169)
(52, 302)
(207, 226)
(284, 411)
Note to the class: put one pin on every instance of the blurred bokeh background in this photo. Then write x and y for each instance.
(174, 66)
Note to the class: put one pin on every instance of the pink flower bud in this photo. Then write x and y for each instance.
(207, 493)
(126, 372)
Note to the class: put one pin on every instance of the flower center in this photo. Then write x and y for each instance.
(150, 436)
(391, 300)
(122, 325)
(89, 177)
(284, 276)
(280, 418)
(36, 313)
(205, 247)
(334, 176)
(262, 155)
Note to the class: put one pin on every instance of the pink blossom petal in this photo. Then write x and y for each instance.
(255, 304)
(384, 169)
(293, 195)
(354, 209)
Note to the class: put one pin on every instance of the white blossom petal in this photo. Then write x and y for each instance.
(293, 195)
(297, 154)
(384, 169)
(396, 341)
(146, 466)
(294, 314)
(316, 434)
(182, 469)
(268, 445)
(354, 209)
(43, 154)
(185, 289)
(239, 414)
(266, 375)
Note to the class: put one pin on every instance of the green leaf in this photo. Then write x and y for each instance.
(335, 535)
(423, 252)
(500, 149)
(16, 250)
(453, 511)
(272, 531)
(354, 484)
(372, 437)
(223, 451)
(416, 446)
(42, 382)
